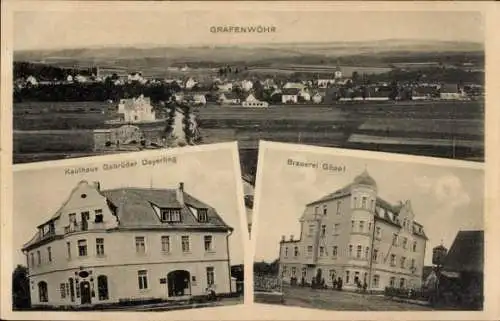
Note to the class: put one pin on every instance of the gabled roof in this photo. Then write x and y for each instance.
(134, 208)
(290, 91)
(466, 253)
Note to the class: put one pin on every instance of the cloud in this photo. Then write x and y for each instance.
(449, 190)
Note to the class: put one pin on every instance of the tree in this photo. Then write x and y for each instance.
(21, 288)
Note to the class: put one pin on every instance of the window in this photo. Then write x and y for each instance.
(62, 288)
(346, 277)
(394, 239)
(369, 226)
(311, 230)
(363, 202)
(375, 254)
(316, 210)
(393, 260)
(304, 272)
(165, 243)
(403, 261)
(378, 232)
(405, 242)
(412, 264)
(286, 251)
(283, 272)
(99, 246)
(355, 202)
(367, 253)
(309, 249)
(171, 215)
(353, 224)
(185, 243)
(294, 270)
(32, 259)
(392, 282)
(140, 244)
(402, 283)
(296, 251)
(85, 217)
(325, 209)
(414, 246)
(102, 287)
(49, 253)
(338, 207)
(98, 216)
(72, 219)
(371, 205)
(361, 226)
(71, 289)
(356, 277)
(336, 228)
(208, 243)
(323, 230)
(358, 251)
(38, 257)
(350, 250)
(321, 251)
(82, 247)
(376, 281)
(202, 215)
(68, 250)
(211, 275)
(142, 277)
(43, 294)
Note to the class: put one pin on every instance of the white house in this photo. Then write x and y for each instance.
(69, 78)
(127, 244)
(294, 85)
(305, 95)
(190, 83)
(136, 110)
(290, 95)
(246, 85)
(136, 76)
(31, 81)
(251, 101)
(226, 87)
(317, 98)
(338, 73)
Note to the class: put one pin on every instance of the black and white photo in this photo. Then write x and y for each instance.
(138, 233)
(353, 231)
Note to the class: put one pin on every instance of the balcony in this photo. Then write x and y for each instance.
(75, 228)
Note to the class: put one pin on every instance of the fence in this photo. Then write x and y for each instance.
(267, 283)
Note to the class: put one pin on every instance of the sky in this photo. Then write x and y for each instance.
(444, 199)
(202, 172)
(43, 29)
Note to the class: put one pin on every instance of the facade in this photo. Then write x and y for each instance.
(355, 235)
(290, 95)
(126, 244)
(136, 110)
(251, 101)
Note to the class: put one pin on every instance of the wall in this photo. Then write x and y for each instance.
(123, 281)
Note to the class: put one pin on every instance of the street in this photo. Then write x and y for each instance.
(168, 306)
(343, 301)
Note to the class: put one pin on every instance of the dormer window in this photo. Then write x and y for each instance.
(171, 215)
(202, 215)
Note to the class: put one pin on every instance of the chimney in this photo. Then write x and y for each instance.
(97, 186)
(282, 238)
(180, 193)
(291, 237)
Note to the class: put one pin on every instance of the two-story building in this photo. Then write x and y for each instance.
(136, 110)
(125, 244)
(355, 235)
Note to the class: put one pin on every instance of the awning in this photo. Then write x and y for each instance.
(450, 274)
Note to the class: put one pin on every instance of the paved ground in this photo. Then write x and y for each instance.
(342, 300)
(169, 306)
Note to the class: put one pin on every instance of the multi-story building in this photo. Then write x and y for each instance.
(355, 235)
(108, 246)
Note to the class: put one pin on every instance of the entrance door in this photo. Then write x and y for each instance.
(85, 292)
(178, 283)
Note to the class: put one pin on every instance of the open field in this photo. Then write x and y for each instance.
(441, 129)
